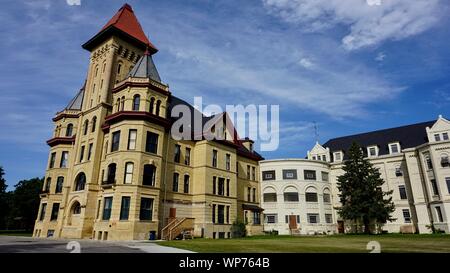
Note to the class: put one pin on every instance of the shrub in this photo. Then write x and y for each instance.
(238, 230)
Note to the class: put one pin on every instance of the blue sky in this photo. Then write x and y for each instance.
(351, 66)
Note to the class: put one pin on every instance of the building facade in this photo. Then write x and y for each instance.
(116, 171)
(413, 161)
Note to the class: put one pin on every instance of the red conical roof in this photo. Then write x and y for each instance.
(125, 21)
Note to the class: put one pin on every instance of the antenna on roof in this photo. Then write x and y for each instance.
(316, 132)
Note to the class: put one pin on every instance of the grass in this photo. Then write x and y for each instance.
(16, 233)
(318, 244)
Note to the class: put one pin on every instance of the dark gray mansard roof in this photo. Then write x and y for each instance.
(408, 136)
(145, 68)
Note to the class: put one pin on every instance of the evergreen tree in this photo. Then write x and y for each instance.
(361, 196)
(4, 204)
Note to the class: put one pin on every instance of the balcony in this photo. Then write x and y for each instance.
(108, 183)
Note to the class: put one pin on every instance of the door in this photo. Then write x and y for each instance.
(340, 226)
(292, 222)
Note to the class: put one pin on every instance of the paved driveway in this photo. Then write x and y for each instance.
(17, 244)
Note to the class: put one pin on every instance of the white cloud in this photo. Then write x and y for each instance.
(368, 24)
(380, 57)
(306, 63)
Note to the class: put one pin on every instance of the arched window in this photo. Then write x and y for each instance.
(326, 196)
(269, 195)
(59, 184)
(111, 179)
(69, 130)
(149, 175)
(444, 160)
(118, 105)
(76, 208)
(119, 67)
(85, 127)
(122, 103)
(96, 71)
(152, 105)
(186, 183)
(136, 102)
(94, 123)
(311, 195)
(290, 194)
(129, 166)
(80, 182)
(158, 105)
(48, 183)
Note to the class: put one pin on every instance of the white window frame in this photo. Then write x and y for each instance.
(437, 137)
(340, 156)
(445, 136)
(398, 148)
(372, 147)
(129, 168)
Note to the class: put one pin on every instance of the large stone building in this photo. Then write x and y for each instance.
(299, 195)
(115, 171)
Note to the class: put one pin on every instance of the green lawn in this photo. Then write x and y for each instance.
(317, 244)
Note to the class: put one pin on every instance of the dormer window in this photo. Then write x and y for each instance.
(324, 158)
(314, 157)
(251, 147)
(372, 151)
(337, 156)
(394, 148)
(445, 136)
(437, 137)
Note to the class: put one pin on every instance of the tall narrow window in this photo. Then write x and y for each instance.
(439, 214)
(228, 187)
(434, 186)
(406, 215)
(48, 183)
(402, 191)
(221, 186)
(115, 141)
(220, 214)
(428, 162)
(186, 183)
(111, 179)
(151, 145)
(213, 218)
(177, 153)
(82, 153)
(122, 103)
(55, 212)
(64, 158)
(248, 193)
(52, 160)
(149, 175)
(128, 173)
(119, 68)
(447, 180)
(214, 158)
(253, 173)
(85, 127)
(254, 195)
(118, 105)
(152, 105)
(43, 209)
(146, 211)
(214, 185)
(132, 134)
(94, 124)
(107, 207)
(80, 182)
(136, 102)
(158, 106)
(59, 184)
(248, 172)
(90, 151)
(69, 130)
(125, 208)
(187, 156)
(228, 162)
(175, 182)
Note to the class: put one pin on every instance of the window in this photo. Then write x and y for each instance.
(76, 208)
(297, 218)
(55, 211)
(444, 161)
(372, 151)
(309, 175)
(228, 162)
(447, 180)
(64, 158)
(214, 214)
(146, 211)
(187, 156)
(118, 105)
(220, 214)
(394, 148)
(271, 218)
(253, 173)
(47, 185)
(177, 153)
(122, 103)
(115, 141)
(85, 127)
(326, 198)
(69, 130)
(270, 197)
(328, 218)
(111, 179)
(132, 134)
(214, 158)
(254, 195)
(82, 153)
(80, 182)
(289, 174)
(214, 185)
(398, 171)
(428, 162)
(125, 208)
(175, 182)
(256, 218)
(228, 187)
(268, 175)
(119, 67)
(158, 106)
(152, 105)
(291, 197)
(43, 209)
(107, 206)
(52, 160)
(337, 156)
(445, 136)
(249, 190)
(136, 102)
(221, 186)
(311, 196)
(406, 215)
(313, 218)
(151, 145)
(128, 173)
(228, 216)
(149, 175)
(59, 184)
(325, 177)
(186, 183)
(434, 186)
(248, 172)
(439, 214)
(94, 124)
(437, 137)
(402, 191)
